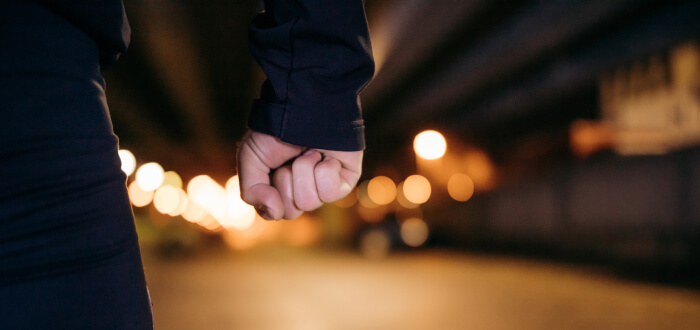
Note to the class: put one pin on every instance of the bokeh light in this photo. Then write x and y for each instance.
(417, 189)
(166, 199)
(372, 214)
(381, 190)
(429, 145)
(401, 198)
(128, 161)
(363, 195)
(239, 214)
(460, 187)
(182, 203)
(414, 232)
(204, 191)
(150, 176)
(347, 201)
(194, 212)
(171, 178)
(403, 214)
(375, 244)
(138, 196)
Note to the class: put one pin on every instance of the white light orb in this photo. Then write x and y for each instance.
(430, 145)
(150, 176)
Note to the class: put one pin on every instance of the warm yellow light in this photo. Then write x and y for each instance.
(429, 145)
(128, 161)
(182, 204)
(166, 199)
(363, 196)
(403, 214)
(303, 231)
(138, 196)
(210, 223)
(416, 188)
(375, 244)
(460, 187)
(171, 178)
(194, 212)
(401, 198)
(381, 190)
(372, 214)
(150, 176)
(414, 232)
(347, 201)
(204, 191)
(239, 214)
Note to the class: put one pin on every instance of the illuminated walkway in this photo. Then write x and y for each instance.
(294, 289)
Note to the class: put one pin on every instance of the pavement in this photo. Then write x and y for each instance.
(307, 289)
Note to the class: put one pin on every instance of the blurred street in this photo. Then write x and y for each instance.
(283, 288)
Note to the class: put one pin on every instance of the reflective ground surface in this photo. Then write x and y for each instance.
(300, 289)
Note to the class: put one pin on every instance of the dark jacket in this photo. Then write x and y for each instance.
(316, 55)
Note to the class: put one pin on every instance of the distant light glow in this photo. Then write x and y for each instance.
(460, 187)
(166, 199)
(347, 201)
(182, 204)
(194, 212)
(372, 214)
(417, 189)
(363, 195)
(171, 178)
(401, 198)
(430, 145)
(128, 161)
(138, 196)
(240, 215)
(150, 176)
(414, 232)
(375, 244)
(381, 190)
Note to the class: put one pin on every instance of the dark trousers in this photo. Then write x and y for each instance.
(69, 255)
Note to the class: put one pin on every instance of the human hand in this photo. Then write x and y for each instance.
(302, 179)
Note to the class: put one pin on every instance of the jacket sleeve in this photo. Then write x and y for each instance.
(317, 57)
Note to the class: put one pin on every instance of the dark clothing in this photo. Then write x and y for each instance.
(317, 58)
(69, 256)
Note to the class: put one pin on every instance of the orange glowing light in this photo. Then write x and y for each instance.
(430, 145)
(182, 204)
(171, 178)
(381, 190)
(193, 212)
(363, 195)
(138, 196)
(460, 187)
(414, 232)
(417, 189)
(372, 214)
(347, 201)
(239, 214)
(401, 198)
(166, 199)
(375, 244)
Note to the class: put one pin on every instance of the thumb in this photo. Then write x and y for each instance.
(256, 190)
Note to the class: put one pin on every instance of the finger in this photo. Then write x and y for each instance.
(282, 181)
(255, 184)
(304, 184)
(329, 185)
(337, 174)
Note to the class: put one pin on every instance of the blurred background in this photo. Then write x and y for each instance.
(529, 165)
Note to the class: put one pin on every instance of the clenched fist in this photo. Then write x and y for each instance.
(282, 180)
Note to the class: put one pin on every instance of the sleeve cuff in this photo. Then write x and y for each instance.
(275, 119)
